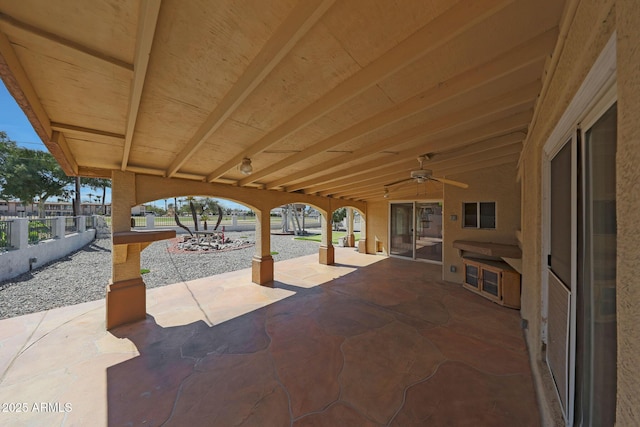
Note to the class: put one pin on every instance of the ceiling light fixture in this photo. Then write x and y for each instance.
(386, 193)
(245, 166)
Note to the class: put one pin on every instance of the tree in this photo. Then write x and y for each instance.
(338, 216)
(98, 184)
(28, 175)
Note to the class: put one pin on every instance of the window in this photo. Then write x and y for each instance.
(479, 215)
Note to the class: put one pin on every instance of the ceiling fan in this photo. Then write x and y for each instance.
(423, 175)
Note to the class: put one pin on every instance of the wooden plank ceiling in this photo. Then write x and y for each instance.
(336, 98)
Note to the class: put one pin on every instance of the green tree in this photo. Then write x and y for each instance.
(98, 184)
(338, 216)
(30, 175)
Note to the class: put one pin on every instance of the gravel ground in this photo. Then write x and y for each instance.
(83, 275)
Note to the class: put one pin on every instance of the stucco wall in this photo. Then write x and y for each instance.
(593, 25)
(590, 29)
(14, 263)
(497, 184)
(628, 211)
(377, 226)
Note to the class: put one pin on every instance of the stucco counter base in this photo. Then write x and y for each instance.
(126, 302)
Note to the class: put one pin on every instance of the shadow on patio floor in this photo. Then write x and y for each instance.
(385, 344)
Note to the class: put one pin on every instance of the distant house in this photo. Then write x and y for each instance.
(17, 208)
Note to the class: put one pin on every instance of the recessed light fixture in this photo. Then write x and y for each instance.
(245, 166)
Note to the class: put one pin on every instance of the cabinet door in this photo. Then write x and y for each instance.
(471, 275)
(491, 283)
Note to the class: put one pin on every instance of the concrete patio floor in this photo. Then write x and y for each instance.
(370, 341)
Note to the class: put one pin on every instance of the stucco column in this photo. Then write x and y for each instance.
(351, 237)
(126, 294)
(327, 251)
(20, 233)
(262, 263)
(362, 242)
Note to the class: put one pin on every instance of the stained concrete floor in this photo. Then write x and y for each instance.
(370, 341)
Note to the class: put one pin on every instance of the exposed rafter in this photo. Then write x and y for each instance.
(496, 128)
(501, 142)
(443, 28)
(377, 191)
(522, 56)
(149, 10)
(6, 19)
(303, 17)
(94, 134)
(402, 171)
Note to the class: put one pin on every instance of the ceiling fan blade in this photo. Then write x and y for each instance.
(450, 182)
(397, 182)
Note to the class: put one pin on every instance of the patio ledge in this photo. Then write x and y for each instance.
(498, 250)
(142, 236)
(124, 239)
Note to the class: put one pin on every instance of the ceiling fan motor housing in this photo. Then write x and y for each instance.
(421, 174)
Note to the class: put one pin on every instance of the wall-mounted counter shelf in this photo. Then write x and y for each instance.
(497, 250)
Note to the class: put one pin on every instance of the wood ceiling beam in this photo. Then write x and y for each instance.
(303, 17)
(378, 193)
(82, 132)
(149, 10)
(498, 161)
(19, 86)
(473, 154)
(503, 126)
(521, 56)
(90, 172)
(508, 143)
(59, 139)
(9, 20)
(518, 58)
(436, 33)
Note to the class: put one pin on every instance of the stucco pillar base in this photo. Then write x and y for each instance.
(126, 302)
(362, 246)
(262, 270)
(327, 255)
(351, 240)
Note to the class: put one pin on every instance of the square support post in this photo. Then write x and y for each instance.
(351, 237)
(327, 251)
(126, 293)
(262, 263)
(59, 225)
(20, 233)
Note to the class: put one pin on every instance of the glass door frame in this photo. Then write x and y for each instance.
(414, 220)
(597, 90)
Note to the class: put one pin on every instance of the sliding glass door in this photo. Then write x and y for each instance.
(429, 231)
(401, 242)
(416, 230)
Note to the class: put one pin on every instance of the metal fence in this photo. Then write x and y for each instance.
(40, 229)
(5, 235)
(71, 225)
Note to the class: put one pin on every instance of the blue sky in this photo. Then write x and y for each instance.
(15, 124)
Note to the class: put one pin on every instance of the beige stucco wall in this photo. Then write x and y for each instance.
(497, 184)
(590, 29)
(592, 26)
(377, 226)
(628, 211)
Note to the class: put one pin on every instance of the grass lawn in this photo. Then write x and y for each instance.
(335, 236)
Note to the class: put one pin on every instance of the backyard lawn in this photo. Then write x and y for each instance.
(335, 236)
